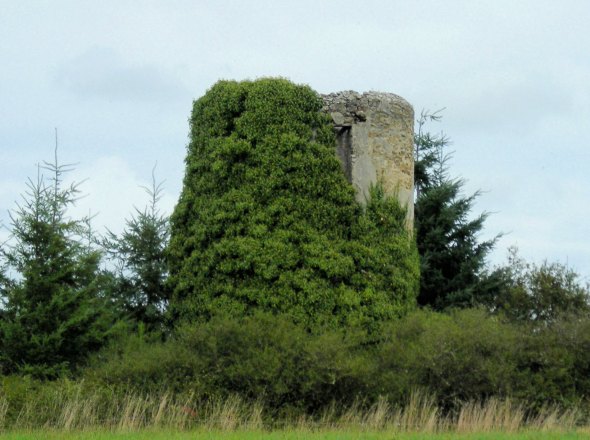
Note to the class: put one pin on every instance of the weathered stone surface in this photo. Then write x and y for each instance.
(375, 142)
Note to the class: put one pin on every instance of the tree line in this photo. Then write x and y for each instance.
(267, 235)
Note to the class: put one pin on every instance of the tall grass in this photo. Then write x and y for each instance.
(132, 412)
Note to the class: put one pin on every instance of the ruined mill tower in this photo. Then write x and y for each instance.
(375, 143)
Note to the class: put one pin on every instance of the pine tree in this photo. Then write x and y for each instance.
(54, 313)
(142, 270)
(452, 259)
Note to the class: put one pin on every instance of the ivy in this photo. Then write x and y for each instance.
(266, 219)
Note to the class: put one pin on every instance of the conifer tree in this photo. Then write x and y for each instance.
(140, 286)
(452, 259)
(54, 313)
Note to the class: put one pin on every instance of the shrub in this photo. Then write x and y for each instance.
(269, 357)
(458, 356)
(463, 356)
(260, 357)
(538, 294)
(554, 362)
(470, 355)
(144, 366)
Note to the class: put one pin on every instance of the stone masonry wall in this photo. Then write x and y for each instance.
(375, 142)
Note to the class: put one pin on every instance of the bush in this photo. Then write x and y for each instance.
(260, 357)
(144, 366)
(554, 362)
(470, 355)
(30, 403)
(538, 294)
(459, 356)
(463, 356)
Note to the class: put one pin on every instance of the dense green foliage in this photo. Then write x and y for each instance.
(53, 313)
(286, 367)
(452, 259)
(462, 356)
(139, 287)
(534, 293)
(266, 219)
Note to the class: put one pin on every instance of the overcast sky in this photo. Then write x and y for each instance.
(117, 79)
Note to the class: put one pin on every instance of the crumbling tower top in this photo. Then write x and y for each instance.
(375, 142)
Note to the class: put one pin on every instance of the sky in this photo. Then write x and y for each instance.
(117, 79)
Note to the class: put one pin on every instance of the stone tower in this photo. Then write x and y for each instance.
(375, 143)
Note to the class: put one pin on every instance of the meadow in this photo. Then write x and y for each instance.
(163, 417)
(289, 435)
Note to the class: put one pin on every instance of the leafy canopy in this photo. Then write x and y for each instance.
(538, 293)
(266, 219)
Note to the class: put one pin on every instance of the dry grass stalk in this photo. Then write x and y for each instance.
(232, 414)
(184, 415)
(228, 418)
(328, 417)
(3, 412)
(555, 419)
(419, 414)
(254, 420)
(157, 416)
(303, 423)
(492, 415)
(69, 415)
(377, 416)
(68, 411)
(353, 415)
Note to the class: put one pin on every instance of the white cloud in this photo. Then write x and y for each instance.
(110, 191)
(103, 73)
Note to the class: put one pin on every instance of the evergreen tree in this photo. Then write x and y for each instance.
(452, 259)
(140, 286)
(54, 314)
(266, 219)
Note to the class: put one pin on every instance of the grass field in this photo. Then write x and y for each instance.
(161, 417)
(287, 435)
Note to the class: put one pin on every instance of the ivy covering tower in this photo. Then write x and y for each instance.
(267, 220)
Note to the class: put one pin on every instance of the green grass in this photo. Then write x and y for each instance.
(283, 435)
